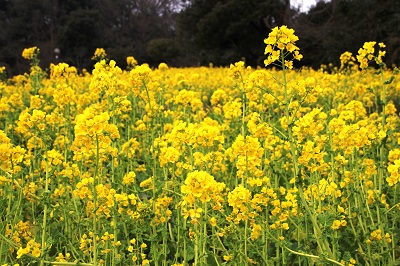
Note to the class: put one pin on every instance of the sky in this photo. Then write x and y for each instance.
(304, 5)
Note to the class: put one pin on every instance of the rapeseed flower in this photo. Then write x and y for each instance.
(246, 153)
(239, 200)
(168, 155)
(236, 70)
(129, 178)
(233, 109)
(338, 223)
(393, 169)
(62, 70)
(99, 54)
(280, 40)
(163, 66)
(199, 185)
(30, 53)
(367, 54)
(31, 248)
(131, 62)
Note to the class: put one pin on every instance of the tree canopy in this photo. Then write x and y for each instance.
(190, 32)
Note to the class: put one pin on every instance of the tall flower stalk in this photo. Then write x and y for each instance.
(281, 48)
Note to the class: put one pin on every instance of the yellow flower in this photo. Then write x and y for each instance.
(340, 209)
(213, 221)
(376, 235)
(200, 185)
(388, 238)
(239, 199)
(285, 226)
(168, 155)
(255, 231)
(162, 66)
(289, 64)
(131, 61)
(336, 224)
(30, 53)
(63, 95)
(283, 39)
(146, 183)
(346, 60)
(393, 169)
(233, 109)
(129, 178)
(22, 251)
(99, 54)
(366, 54)
(236, 70)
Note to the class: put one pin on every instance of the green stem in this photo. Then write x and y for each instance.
(184, 242)
(196, 246)
(245, 241)
(204, 234)
(96, 177)
(69, 263)
(115, 241)
(313, 256)
(383, 99)
(8, 213)
(265, 238)
(46, 192)
(318, 233)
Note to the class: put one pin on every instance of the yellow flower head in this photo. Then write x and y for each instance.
(30, 53)
(131, 61)
(201, 185)
(346, 60)
(99, 54)
(236, 70)
(2, 69)
(279, 41)
(367, 54)
(163, 66)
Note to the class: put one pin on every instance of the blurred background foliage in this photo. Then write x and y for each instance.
(190, 32)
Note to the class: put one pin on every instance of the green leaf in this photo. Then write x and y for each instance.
(390, 80)
(212, 260)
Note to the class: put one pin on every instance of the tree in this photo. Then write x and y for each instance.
(78, 27)
(226, 31)
(22, 24)
(129, 26)
(80, 37)
(331, 28)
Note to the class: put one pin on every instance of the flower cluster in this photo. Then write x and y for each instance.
(281, 40)
(99, 54)
(367, 54)
(178, 166)
(30, 53)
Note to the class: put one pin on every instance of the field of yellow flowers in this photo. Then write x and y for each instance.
(202, 166)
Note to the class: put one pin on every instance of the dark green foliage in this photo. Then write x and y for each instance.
(190, 32)
(162, 50)
(81, 36)
(333, 27)
(227, 31)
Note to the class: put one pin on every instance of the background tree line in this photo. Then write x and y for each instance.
(190, 32)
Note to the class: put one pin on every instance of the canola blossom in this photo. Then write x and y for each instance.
(202, 166)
